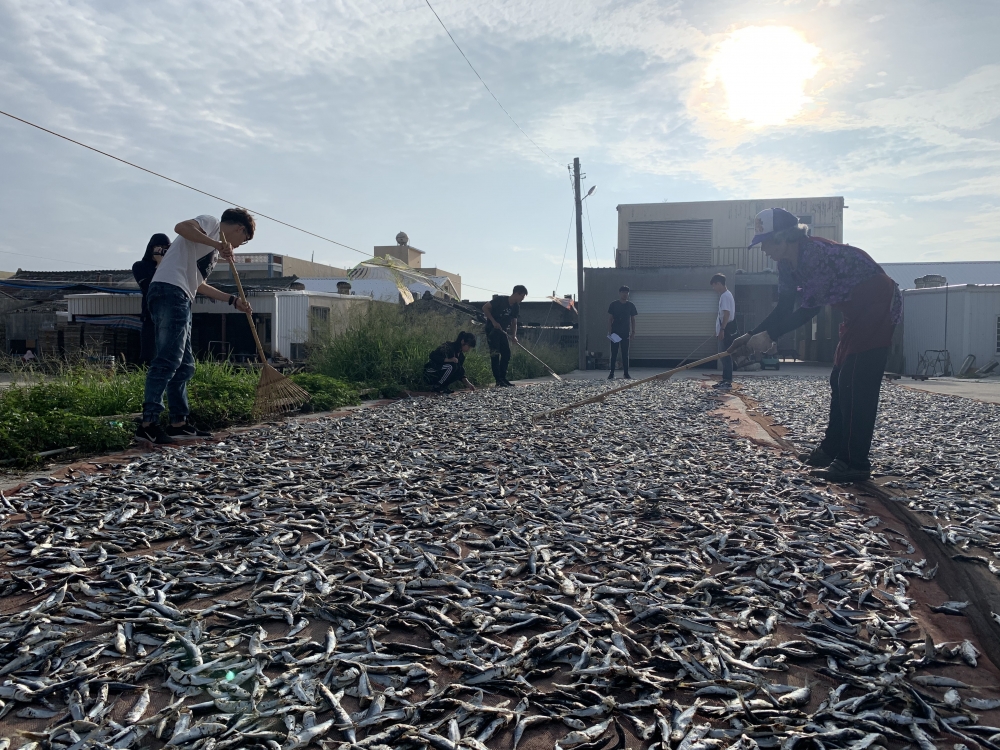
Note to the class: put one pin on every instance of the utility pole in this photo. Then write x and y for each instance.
(581, 327)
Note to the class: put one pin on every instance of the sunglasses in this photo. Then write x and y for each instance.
(160, 251)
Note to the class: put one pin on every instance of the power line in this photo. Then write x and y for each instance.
(484, 83)
(555, 291)
(182, 184)
(42, 257)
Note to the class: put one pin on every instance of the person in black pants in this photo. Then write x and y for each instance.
(621, 323)
(816, 272)
(501, 312)
(725, 328)
(143, 271)
(446, 363)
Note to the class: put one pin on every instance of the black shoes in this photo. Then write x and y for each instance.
(504, 384)
(186, 431)
(627, 376)
(611, 375)
(817, 458)
(841, 473)
(153, 434)
(723, 385)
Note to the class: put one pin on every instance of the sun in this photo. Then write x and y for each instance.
(764, 70)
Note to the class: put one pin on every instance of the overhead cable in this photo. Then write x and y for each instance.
(182, 184)
(548, 156)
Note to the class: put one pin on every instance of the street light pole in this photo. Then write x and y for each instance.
(581, 315)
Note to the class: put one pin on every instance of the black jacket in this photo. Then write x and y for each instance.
(447, 350)
(143, 271)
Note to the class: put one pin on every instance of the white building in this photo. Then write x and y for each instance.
(956, 272)
(962, 319)
(387, 279)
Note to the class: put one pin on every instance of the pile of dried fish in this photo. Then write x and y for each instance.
(943, 451)
(438, 573)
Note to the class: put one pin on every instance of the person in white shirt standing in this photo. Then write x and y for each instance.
(725, 327)
(182, 274)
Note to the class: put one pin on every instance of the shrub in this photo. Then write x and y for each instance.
(221, 394)
(385, 345)
(326, 393)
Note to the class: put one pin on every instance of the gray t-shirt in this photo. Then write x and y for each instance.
(189, 264)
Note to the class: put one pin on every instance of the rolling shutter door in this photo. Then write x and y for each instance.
(674, 325)
(670, 243)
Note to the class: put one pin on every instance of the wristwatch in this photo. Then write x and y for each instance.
(232, 299)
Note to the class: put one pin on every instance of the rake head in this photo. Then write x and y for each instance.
(276, 394)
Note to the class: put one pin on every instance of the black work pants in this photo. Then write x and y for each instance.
(856, 386)
(445, 375)
(623, 344)
(499, 354)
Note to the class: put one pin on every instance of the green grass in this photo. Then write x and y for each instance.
(386, 348)
(88, 407)
(327, 393)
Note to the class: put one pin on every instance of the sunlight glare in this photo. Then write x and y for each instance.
(764, 70)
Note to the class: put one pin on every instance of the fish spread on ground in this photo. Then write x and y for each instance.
(439, 573)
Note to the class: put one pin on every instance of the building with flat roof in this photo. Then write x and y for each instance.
(270, 265)
(668, 252)
(956, 272)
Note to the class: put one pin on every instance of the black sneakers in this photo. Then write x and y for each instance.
(611, 375)
(153, 434)
(187, 431)
(841, 473)
(818, 458)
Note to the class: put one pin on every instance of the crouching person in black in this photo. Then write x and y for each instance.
(445, 365)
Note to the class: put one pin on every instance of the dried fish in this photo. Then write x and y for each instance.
(378, 582)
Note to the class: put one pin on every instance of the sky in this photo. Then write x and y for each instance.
(356, 119)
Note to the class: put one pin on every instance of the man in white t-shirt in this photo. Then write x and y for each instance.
(181, 275)
(725, 327)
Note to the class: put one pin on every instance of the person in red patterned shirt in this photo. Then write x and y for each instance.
(819, 272)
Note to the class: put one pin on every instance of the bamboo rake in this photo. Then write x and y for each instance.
(552, 372)
(595, 399)
(276, 394)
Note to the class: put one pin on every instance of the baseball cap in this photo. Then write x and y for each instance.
(772, 220)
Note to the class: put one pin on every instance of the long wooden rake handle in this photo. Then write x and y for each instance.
(552, 372)
(243, 297)
(600, 397)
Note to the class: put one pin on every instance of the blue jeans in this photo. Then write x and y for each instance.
(173, 365)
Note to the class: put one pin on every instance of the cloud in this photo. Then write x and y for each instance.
(357, 119)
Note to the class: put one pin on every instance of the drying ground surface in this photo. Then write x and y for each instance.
(440, 573)
(942, 452)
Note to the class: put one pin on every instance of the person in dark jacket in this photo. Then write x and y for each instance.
(820, 272)
(446, 363)
(502, 312)
(143, 271)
